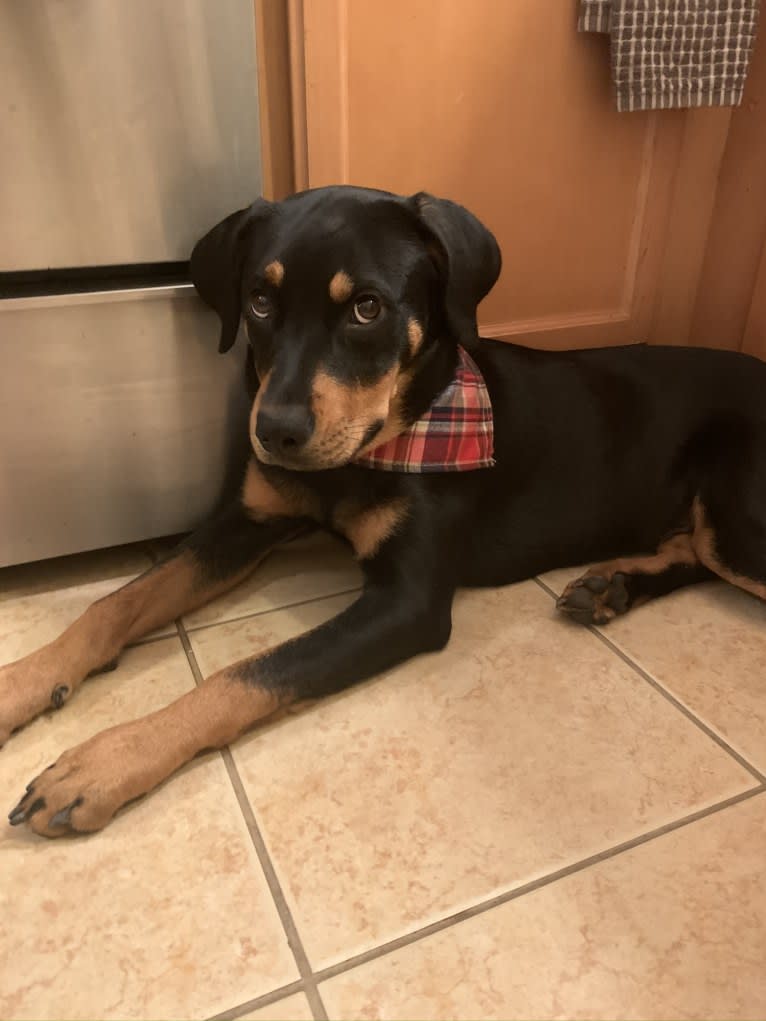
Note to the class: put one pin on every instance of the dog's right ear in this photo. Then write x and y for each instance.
(216, 266)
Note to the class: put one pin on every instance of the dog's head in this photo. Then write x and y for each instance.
(344, 292)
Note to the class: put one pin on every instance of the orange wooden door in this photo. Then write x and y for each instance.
(506, 108)
(727, 308)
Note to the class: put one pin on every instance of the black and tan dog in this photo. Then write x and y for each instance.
(651, 460)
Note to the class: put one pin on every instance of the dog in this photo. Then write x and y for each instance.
(442, 459)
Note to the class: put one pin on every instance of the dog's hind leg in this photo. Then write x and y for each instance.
(211, 561)
(728, 514)
(612, 588)
(731, 546)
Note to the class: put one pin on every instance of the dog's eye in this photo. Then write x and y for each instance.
(260, 306)
(365, 309)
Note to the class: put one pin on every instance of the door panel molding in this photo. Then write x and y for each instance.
(325, 27)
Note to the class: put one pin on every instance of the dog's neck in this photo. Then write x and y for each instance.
(431, 371)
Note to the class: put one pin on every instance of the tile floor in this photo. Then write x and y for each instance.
(541, 821)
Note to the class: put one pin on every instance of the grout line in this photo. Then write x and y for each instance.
(707, 730)
(280, 901)
(260, 1001)
(722, 743)
(150, 639)
(273, 609)
(285, 915)
(310, 980)
(536, 884)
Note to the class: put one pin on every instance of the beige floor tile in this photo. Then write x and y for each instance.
(524, 746)
(292, 1008)
(38, 601)
(163, 914)
(673, 928)
(309, 568)
(707, 645)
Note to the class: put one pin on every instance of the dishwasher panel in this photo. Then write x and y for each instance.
(118, 420)
(127, 128)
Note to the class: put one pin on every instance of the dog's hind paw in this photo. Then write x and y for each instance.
(595, 599)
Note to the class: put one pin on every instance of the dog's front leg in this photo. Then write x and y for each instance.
(210, 562)
(83, 790)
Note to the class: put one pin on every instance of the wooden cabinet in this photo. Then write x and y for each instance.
(604, 219)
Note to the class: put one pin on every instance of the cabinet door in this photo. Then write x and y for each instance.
(728, 304)
(505, 107)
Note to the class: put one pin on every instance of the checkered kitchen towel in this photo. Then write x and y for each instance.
(455, 435)
(675, 53)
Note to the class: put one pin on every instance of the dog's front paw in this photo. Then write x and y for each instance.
(595, 598)
(81, 792)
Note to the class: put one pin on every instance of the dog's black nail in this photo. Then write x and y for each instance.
(63, 816)
(16, 815)
(36, 806)
(596, 585)
(59, 695)
(29, 787)
(21, 814)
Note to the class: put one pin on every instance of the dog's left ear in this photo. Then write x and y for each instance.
(216, 266)
(468, 256)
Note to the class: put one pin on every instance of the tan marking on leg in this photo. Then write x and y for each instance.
(369, 528)
(341, 287)
(264, 500)
(704, 541)
(415, 335)
(90, 783)
(676, 550)
(50, 675)
(274, 273)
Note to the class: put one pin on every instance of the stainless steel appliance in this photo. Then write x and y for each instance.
(126, 130)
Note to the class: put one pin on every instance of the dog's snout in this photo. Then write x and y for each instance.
(283, 429)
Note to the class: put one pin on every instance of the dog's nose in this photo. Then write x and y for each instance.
(283, 430)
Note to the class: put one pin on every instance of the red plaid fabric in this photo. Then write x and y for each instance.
(455, 434)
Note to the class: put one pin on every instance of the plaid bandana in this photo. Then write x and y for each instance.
(454, 435)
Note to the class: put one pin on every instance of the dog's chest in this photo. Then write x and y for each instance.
(365, 520)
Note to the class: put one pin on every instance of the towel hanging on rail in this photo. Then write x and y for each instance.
(668, 54)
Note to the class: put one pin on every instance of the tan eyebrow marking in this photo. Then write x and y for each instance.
(341, 286)
(275, 273)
